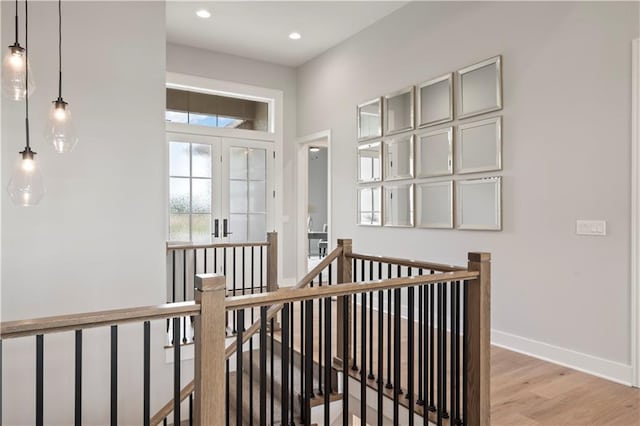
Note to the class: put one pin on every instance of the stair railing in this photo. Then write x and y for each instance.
(208, 311)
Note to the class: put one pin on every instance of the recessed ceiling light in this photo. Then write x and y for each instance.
(295, 36)
(314, 149)
(203, 13)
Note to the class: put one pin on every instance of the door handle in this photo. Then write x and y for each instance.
(216, 228)
(225, 228)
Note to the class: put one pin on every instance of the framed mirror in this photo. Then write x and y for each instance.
(434, 153)
(370, 119)
(434, 205)
(398, 111)
(480, 88)
(398, 158)
(398, 205)
(435, 101)
(370, 206)
(479, 146)
(370, 162)
(479, 204)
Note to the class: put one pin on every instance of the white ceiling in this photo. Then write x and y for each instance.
(260, 29)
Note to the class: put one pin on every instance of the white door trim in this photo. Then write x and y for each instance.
(275, 98)
(635, 213)
(322, 139)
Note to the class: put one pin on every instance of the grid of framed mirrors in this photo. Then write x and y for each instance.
(413, 167)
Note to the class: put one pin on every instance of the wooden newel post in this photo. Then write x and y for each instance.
(344, 276)
(209, 376)
(272, 261)
(478, 341)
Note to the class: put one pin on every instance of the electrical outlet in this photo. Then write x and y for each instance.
(591, 227)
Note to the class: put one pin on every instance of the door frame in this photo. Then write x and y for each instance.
(635, 213)
(275, 99)
(321, 139)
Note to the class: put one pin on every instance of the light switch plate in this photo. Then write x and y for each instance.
(591, 227)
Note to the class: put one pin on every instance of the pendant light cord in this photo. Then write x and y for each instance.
(16, 21)
(26, 64)
(59, 49)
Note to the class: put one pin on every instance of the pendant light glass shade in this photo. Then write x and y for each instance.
(14, 74)
(61, 132)
(26, 186)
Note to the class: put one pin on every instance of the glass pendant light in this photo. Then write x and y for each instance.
(14, 70)
(26, 186)
(60, 132)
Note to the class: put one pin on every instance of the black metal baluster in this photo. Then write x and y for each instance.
(224, 272)
(439, 351)
(320, 323)
(164, 422)
(363, 355)
(410, 350)
(262, 270)
(78, 380)
(396, 356)
(327, 361)
(284, 367)
(1, 382)
(308, 361)
(234, 314)
(389, 385)
(39, 380)
(345, 363)
(454, 343)
(173, 299)
(263, 366)
(330, 275)
(432, 406)
(420, 401)
(399, 331)
(465, 387)
(293, 363)
(380, 380)
(271, 371)
(370, 376)
(354, 367)
(195, 268)
(205, 260)
(191, 409)
(239, 366)
(243, 270)
(302, 353)
(445, 414)
(184, 298)
(176, 372)
(114, 372)
(146, 367)
(425, 343)
(253, 274)
(215, 260)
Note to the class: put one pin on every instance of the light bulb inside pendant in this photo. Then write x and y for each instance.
(14, 73)
(61, 131)
(26, 186)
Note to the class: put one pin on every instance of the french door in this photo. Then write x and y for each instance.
(220, 189)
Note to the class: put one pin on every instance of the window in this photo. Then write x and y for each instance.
(190, 187)
(208, 110)
(248, 193)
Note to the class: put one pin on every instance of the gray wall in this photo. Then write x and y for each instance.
(220, 66)
(97, 240)
(318, 206)
(567, 104)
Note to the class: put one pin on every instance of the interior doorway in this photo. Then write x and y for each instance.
(314, 201)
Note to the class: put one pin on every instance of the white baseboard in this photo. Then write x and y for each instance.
(606, 369)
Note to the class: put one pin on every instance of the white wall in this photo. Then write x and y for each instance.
(567, 80)
(220, 66)
(97, 239)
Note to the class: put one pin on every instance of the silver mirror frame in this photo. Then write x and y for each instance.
(460, 167)
(385, 114)
(418, 210)
(365, 146)
(411, 206)
(358, 211)
(496, 181)
(417, 148)
(379, 131)
(445, 77)
(385, 157)
(497, 60)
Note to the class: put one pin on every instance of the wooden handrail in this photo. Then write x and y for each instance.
(191, 246)
(249, 332)
(56, 324)
(286, 295)
(409, 263)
